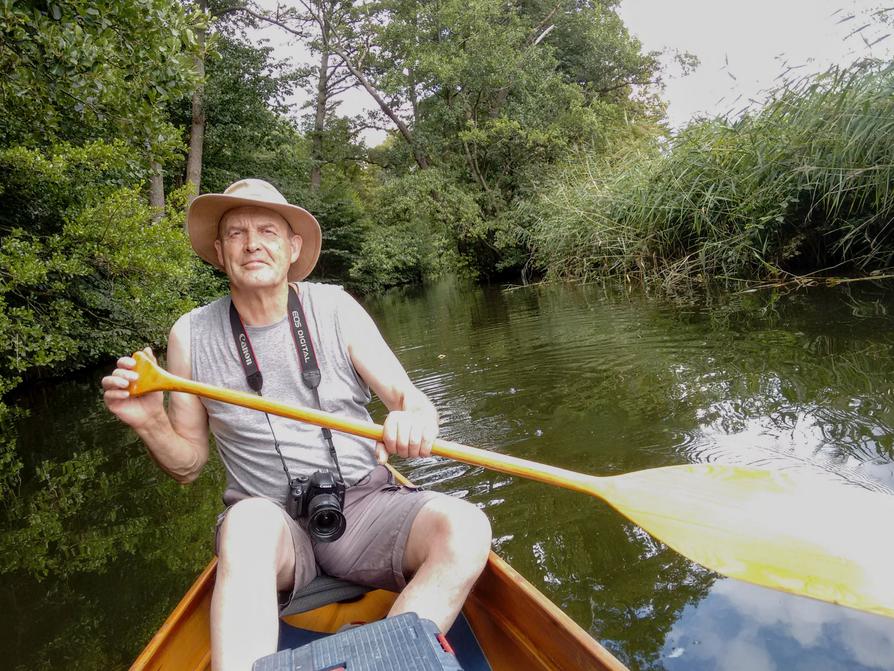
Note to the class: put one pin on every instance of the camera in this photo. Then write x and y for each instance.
(320, 499)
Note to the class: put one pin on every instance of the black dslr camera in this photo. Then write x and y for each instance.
(320, 499)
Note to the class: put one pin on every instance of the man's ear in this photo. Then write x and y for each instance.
(218, 248)
(295, 241)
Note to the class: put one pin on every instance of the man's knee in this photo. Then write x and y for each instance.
(253, 532)
(459, 530)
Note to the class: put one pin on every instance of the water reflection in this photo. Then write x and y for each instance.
(799, 440)
(96, 546)
(739, 626)
(604, 384)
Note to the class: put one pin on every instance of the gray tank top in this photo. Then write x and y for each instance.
(243, 436)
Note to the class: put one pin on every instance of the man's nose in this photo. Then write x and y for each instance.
(252, 240)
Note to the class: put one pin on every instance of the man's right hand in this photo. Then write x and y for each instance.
(134, 411)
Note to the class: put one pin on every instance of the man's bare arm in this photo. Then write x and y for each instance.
(177, 439)
(412, 423)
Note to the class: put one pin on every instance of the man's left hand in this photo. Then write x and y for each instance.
(407, 434)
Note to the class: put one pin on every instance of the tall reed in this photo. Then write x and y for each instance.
(804, 184)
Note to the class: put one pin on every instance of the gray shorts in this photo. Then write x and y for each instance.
(379, 514)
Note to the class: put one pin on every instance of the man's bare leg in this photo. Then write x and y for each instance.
(256, 558)
(446, 551)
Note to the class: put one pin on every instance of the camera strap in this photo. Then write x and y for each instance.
(307, 358)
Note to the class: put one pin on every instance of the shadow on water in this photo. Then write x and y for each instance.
(97, 546)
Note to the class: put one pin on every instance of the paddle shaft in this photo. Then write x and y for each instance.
(153, 378)
(764, 527)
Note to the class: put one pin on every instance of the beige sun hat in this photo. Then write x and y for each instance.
(206, 211)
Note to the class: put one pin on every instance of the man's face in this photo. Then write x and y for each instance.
(256, 246)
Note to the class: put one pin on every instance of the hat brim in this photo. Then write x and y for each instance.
(206, 211)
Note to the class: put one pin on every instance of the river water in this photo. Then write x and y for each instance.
(96, 546)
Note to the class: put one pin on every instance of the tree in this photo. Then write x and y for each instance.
(91, 69)
(497, 92)
(197, 122)
(246, 131)
(344, 34)
(85, 274)
(323, 20)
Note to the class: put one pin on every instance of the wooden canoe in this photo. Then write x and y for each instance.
(517, 627)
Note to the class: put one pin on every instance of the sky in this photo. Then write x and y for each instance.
(742, 47)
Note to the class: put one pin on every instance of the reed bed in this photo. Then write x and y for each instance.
(802, 185)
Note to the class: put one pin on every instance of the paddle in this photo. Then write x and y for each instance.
(769, 528)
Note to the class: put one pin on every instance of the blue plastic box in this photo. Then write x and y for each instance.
(402, 643)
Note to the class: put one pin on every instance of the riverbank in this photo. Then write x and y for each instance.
(799, 187)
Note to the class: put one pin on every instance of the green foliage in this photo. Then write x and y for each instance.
(93, 68)
(596, 52)
(84, 273)
(496, 98)
(10, 462)
(417, 220)
(341, 203)
(246, 134)
(342, 216)
(391, 257)
(801, 185)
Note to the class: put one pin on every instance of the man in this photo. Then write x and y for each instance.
(393, 534)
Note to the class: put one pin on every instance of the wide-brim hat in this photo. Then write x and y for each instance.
(206, 211)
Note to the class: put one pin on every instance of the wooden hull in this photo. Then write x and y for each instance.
(518, 628)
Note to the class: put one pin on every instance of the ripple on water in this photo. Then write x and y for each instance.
(600, 384)
(793, 440)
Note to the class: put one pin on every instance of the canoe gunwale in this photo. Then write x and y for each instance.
(548, 635)
(184, 611)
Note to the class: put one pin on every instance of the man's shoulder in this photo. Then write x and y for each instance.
(333, 295)
(208, 310)
(323, 288)
(331, 301)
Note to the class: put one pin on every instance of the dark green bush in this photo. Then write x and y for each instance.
(84, 272)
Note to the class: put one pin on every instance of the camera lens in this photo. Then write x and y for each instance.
(325, 520)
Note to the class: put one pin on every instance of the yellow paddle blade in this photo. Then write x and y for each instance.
(788, 533)
(795, 533)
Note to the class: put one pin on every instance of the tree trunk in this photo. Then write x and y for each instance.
(418, 154)
(316, 151)
(156, 191)
(411, 89)
(197, 128)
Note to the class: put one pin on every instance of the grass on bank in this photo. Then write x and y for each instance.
(804, 185)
